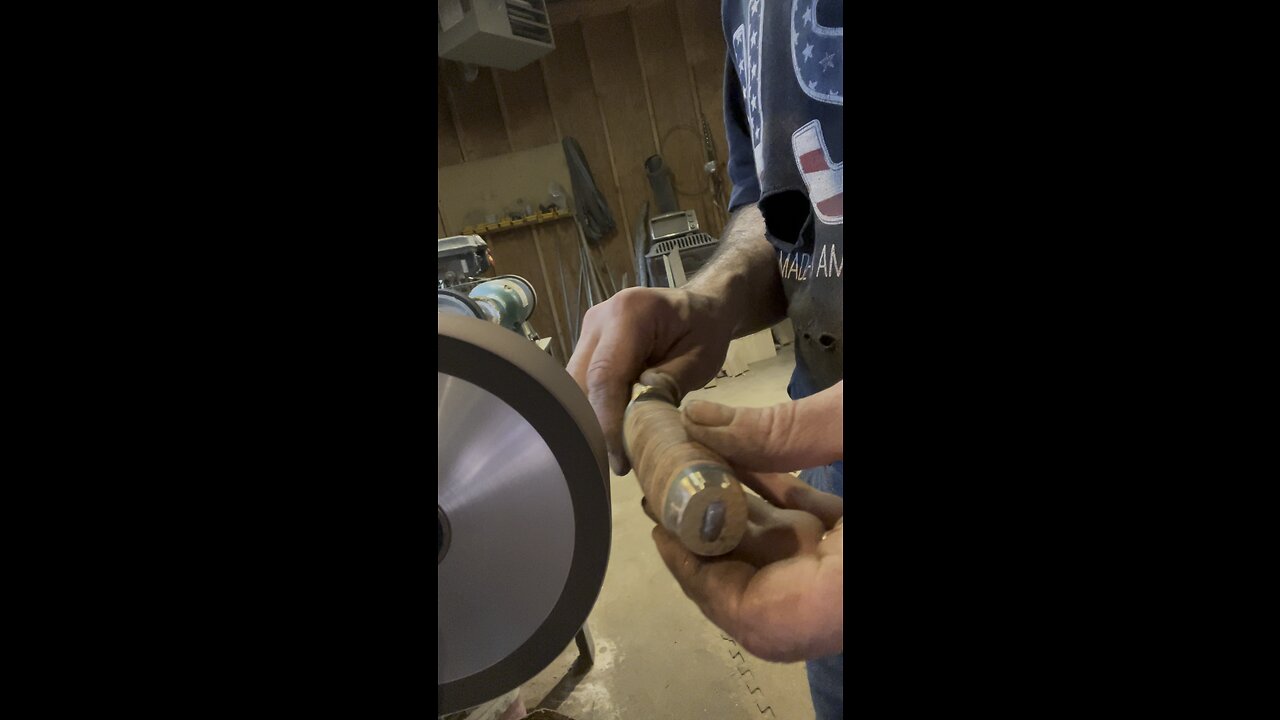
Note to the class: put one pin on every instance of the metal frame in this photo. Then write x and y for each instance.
(675, 269)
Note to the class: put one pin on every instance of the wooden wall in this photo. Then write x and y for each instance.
(627, 79)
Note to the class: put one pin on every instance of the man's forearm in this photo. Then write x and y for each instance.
(743, 277)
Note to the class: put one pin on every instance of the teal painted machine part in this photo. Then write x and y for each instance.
(508, 300)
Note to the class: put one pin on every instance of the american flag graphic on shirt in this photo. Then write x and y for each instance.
(817, 56)
(824, 179)
(746, 48)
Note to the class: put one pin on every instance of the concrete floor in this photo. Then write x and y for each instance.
(657, 656)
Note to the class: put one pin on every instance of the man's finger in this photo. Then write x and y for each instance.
(774, 534)
(785, 490)
(717, 586)
(788, 436)
(608, 376)
(644, 505)
(577, 368)
(577, 365)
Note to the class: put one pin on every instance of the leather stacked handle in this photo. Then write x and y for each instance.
(691, 489)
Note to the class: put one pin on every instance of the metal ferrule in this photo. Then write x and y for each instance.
(640, 393)
(693, 480)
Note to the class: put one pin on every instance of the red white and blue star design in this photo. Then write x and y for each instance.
(817, 53)
(746, 48)
(823, 178)
(817, 56)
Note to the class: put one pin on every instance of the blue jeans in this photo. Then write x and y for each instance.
(826, 675)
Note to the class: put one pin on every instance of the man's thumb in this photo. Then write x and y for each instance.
(779, 438)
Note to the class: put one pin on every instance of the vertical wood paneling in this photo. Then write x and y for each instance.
(615, 72)
(620, 75)
(577, 110)
(560, 243)
(482, 133)
(448, 149)
(527, 113)
(675, 111)
(703, 34)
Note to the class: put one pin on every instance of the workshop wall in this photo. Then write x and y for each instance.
(627, 79)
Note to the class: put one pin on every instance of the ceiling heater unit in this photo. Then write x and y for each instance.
(506, 34)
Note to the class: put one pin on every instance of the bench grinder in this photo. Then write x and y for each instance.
(523, 513)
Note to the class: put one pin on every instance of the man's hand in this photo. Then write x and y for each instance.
(800, 434)
(780, 593)
(684, 333)
(681, 333)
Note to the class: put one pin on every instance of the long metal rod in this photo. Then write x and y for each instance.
(569, 318)
(608, 274)
(583, 288)
(546, 279)
(602, 288)
(589, 270)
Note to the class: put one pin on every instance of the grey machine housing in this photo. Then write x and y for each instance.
(506, 300)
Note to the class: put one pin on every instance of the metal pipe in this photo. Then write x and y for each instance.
(664, 193)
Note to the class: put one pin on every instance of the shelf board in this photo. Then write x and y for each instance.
(509, 224)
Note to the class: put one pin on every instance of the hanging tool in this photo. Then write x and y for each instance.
(589, 205)
(712, 167)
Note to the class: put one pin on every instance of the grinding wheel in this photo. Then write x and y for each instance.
(523, 511)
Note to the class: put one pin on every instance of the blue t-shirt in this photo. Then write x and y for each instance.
(784, 117)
